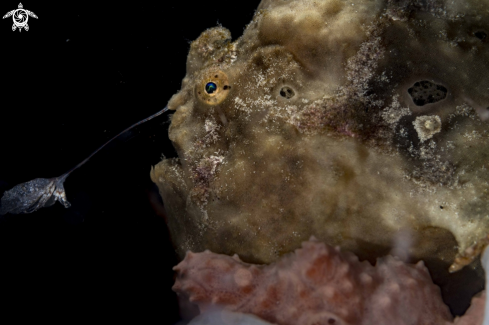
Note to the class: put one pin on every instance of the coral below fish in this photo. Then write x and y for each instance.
(319, 284)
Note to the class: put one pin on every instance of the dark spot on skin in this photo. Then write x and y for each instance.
(225, 87)
(426, 92)
(480, 35)
(287, 92)
(216, 76)
(441, 207)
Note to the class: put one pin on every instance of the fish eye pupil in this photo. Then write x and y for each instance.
(210, 87)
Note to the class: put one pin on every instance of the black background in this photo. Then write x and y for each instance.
(81, 74)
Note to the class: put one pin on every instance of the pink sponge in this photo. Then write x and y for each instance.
(316, 285)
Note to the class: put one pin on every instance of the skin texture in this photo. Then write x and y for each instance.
(353, 121)
(319, 284)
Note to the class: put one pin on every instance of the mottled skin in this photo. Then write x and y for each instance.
(311, 132)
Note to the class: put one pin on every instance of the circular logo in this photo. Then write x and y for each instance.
(20, 17)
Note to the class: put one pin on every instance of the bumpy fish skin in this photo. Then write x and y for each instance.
(348, 120)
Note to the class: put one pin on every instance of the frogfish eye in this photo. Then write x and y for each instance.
(210, 87)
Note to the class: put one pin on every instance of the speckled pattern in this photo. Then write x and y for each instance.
(317, 284)
(313, 131)
(356, 122)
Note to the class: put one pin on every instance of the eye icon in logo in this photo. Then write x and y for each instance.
(20, 17)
